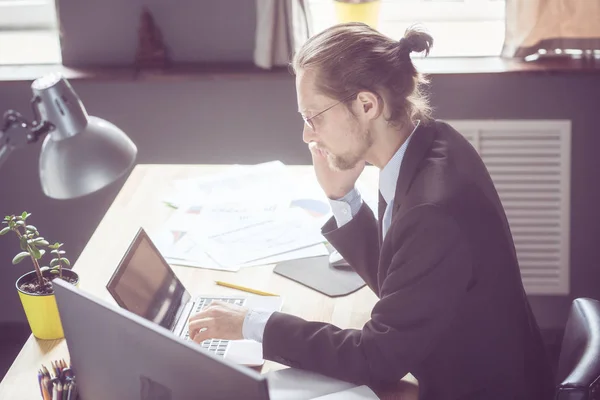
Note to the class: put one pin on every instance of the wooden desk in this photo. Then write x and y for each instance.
(139, 203)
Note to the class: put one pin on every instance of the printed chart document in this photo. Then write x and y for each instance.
(245, 216)
(258, 183)
(285, 232)
(297, 384)
(181, 248)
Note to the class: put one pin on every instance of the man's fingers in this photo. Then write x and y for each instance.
(209, 311)
(216, 303)
(200, 326)
(197, 316)
(219, 320)
(200, 323)
(202, 335)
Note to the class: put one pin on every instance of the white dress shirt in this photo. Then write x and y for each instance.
(388, 178)
(343, 209)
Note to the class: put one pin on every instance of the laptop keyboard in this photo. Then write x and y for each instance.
(205, 302)
(217, 346)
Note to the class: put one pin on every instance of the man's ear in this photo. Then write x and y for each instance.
(370, 105)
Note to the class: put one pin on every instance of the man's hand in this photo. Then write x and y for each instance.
(218, 321)
(335, 184)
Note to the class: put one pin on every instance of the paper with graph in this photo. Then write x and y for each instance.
(246, 216)
(286, 231)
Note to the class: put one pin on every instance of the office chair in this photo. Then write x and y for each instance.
(579, 361)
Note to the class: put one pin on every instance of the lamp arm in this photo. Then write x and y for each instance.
(16, 132)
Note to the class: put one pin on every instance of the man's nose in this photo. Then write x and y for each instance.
(308, 135)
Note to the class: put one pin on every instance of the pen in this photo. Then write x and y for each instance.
(45, 392)
(40, 376)
(245, 289)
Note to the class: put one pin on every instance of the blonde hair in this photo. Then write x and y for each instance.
(352, 57)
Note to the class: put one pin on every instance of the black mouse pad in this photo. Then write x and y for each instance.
(317, 274)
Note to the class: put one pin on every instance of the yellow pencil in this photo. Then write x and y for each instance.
(245, 289)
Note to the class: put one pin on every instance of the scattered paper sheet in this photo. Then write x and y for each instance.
(248, 184)
(297, 384)
(188, 253)
(290, 231)
(244, 216)
(222, 241)
(311, 251)
(178, 248)
(357, 393)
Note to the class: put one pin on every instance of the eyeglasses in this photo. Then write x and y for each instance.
(308, 121)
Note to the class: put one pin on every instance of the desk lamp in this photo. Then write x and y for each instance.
(80, 154)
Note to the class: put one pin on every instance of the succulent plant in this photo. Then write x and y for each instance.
(33, 247)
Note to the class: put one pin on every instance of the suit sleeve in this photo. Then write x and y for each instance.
(358, 242)
(426, 282)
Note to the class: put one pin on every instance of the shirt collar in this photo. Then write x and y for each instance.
(388, 176)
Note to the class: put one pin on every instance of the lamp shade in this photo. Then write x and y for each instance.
(81, 154)
(86, 162)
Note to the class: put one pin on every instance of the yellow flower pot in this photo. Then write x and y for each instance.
(41, 310)
(367, 13)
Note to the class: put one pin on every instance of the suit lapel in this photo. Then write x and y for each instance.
(418, 147)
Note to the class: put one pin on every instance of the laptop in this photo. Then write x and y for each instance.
(120, 356)
(145, 284)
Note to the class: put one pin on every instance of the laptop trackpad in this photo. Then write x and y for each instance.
(245, 352)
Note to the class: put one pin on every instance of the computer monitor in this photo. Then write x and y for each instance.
(119, 355)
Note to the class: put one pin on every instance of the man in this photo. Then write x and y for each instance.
(452, 310)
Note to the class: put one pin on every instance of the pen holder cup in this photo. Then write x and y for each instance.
(41, 310)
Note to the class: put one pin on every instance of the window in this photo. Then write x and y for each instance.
(27, 14)
(28, 32)
(460, 28)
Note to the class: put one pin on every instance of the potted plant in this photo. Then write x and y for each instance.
(366, 11)
(35, 287)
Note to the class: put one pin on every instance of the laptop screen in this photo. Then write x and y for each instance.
(145, 284)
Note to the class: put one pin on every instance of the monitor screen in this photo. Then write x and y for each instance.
(145, 284)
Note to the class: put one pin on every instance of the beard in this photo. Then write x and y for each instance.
(347, 161)
(343, 162)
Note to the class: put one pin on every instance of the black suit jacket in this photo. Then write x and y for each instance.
(452, 310)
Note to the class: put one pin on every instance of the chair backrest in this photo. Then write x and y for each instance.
(579, 361)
